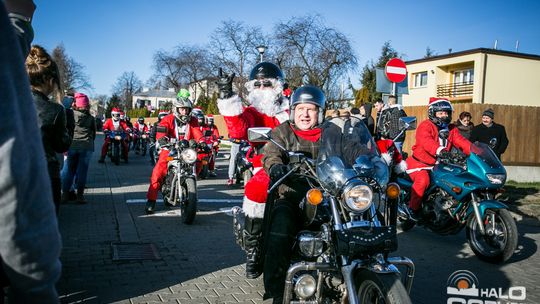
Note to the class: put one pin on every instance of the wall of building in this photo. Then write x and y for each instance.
(512, 81)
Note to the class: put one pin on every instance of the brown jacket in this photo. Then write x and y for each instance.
(285, 136)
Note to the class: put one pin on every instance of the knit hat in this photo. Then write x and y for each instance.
(489, 113)
(81, 100)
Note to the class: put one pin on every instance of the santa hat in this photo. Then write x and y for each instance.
(255, 195)
(383, 146)
(434, 100)
(115, 111)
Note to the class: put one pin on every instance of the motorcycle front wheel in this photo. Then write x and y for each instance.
(380, 288)
(501, 237)
(189, 207)
(116, 154)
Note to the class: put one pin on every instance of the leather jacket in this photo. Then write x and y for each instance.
(54, 133)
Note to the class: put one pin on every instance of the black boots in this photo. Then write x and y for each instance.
(150, 207)
(252, 236)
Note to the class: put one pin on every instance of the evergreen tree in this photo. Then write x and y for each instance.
(212, 105)
(369, 74)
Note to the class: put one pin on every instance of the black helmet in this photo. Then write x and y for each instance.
(141, 120)
(266, 70)
(308, 94)
(438, 105)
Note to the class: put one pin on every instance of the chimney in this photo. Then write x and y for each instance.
(495, 45)
(449, 50)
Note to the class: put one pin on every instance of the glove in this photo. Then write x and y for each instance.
(224, 84)
(202, 146)
(163, 141)
(277, 171)
(192, 143)
(445, 154)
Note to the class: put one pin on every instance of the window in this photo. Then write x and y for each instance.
(464, 76)
(420, 79)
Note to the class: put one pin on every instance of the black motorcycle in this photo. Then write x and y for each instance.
(180, 186)
(114, 150)
(243, 168)
(349, 217)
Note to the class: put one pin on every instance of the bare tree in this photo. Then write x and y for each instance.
(167, 71)
(311, 52)
(234, 49)
(126, 85)
(72, 73)
(195, 67)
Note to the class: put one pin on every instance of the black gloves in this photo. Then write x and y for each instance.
(163, 141)
(444, 154)
(192, 143)
(224, 84)
(277, 171)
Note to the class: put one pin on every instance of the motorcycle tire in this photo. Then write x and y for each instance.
(143, 150)
(204, 172)
(116, 155)
(485, 247)
(406, 225)
(380, 288)
(189, 207)
(246, 176)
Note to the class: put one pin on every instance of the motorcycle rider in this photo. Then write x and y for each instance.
(435, 137)
(139, 128)
(268, 108)
(301, 133)
(114, 124)
(179, 125)
(152, 135)
(215, 136)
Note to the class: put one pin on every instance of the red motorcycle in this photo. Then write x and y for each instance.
(206, 156)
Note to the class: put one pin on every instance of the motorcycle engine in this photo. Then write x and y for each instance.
(441, 202)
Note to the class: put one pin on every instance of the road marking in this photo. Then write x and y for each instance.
(201, 200)
(175, 212)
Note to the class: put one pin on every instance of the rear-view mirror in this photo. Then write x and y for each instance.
(259, 134)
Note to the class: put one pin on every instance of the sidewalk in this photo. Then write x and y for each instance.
(197, 264)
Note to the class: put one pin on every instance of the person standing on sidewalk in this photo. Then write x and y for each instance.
(30, 243)
(45, 80)
(80, 152)
(490, 133)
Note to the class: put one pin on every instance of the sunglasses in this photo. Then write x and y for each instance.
(265, 84)
(115, 115)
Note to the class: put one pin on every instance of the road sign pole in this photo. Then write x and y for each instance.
(394, 89)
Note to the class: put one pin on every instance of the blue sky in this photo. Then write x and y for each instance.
(110, 37)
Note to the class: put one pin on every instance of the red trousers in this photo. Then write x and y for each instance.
(106, 145)
(158, 174)
(420, 184)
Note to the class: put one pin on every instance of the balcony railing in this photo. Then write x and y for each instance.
(455, 89)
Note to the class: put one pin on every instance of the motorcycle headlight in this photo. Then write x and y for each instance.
(118, 137)
(358, 197)
(310, 244)
(305, 286)
(189, 156)
(497, 179)
(144, 136)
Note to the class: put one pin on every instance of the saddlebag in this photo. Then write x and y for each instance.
(365, 240)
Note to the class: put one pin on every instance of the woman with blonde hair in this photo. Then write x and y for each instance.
(45, 81)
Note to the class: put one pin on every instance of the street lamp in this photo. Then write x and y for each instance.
(261, 48)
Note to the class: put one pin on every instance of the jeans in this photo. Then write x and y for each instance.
(76, 163)
(234, 150)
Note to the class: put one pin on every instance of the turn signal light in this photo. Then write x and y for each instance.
(456, 190)
(314, 196)
(392, 191)
(170, 158)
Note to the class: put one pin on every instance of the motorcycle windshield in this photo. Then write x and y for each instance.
(347, 150)
(486, 154)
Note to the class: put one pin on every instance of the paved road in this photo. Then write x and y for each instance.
(201, 263)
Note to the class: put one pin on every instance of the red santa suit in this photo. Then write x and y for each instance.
(238, 120)
(141, 128)
(173, 130)
(390, 154)
(424, 156)
(111, 125)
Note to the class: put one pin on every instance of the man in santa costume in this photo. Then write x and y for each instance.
(268, 108)
(179, 125)
(114, 124)
(434, 136)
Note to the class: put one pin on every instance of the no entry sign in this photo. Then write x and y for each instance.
(395, 70)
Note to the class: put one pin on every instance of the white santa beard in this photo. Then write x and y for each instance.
(265, 101)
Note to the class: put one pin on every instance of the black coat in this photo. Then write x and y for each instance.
(484, 134)
(54, 133)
